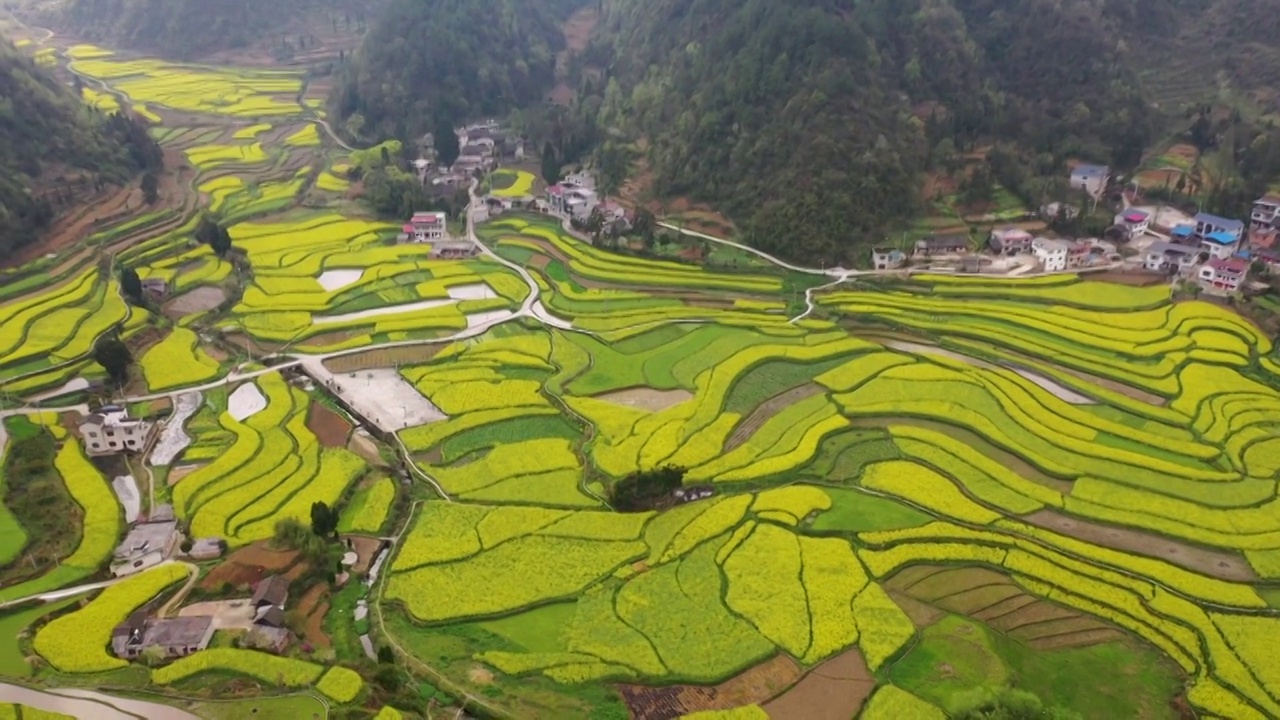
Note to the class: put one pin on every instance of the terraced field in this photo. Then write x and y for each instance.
(903, 489)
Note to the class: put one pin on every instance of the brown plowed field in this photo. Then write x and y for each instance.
(751, 687)
(835, 690)
(330, 428)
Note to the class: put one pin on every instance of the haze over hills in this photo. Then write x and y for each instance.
(53, 148)
(191, 28)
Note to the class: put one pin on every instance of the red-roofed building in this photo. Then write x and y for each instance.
(1224, 276)
(426, 227)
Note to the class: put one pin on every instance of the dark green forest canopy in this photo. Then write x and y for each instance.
(55, 150)
(427, 60)
(804, 119)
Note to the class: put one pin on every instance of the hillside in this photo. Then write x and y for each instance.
(822, 114)
(53, 149)
(427, 60)
(192, 28)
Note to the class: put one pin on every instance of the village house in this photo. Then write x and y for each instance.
(426, 227)
(1220, 245)
(110, 430)
(887, 258)
(1010, 241)
(1266, 212)
(571, 201)
(1207, 225)
(1092, 179)
(146, 545)
(1134, 222)
(1166, 257)
(155, 288)
(1052, 254)
(943, 245)
(453, 250)
(268, 601)
(176, 637)
(1223, 275)
(1184, 235)
(1078, 254)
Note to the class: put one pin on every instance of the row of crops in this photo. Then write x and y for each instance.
(273, 470)
(1092, 401)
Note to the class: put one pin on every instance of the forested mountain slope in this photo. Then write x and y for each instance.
(190, 28)
(810, 122)
(53, 147)
(424, 61)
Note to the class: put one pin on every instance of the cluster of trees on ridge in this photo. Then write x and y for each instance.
(54, 149)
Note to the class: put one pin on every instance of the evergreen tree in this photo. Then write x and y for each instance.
(446, 142)
(114, 357)
(550, 164)
(131, 284)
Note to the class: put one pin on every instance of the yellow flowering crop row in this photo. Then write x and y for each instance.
(77, 642)
(442, 532)
(177, 361)
(208, 157)
(832, 577)
(510, 460)
(425, 437)
(338, 469)
(717, 519)
(329, 182)
(308, 136)
(505, 522)
(565, 567)
(860, 369)
(925, 488)
(798, 500)
(947, 450)
(102, 523)
(341, 684)
(882, 626)
(891, 703)
(280, 671)
(764, 587)
(367, 511)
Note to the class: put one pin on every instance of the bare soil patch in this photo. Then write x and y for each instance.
(1077, 639)
(226, 614)
(995, 599)
(383, 358)
(312, 609)
(330, 428)
(366, 549)
(246, 566)
(1214, 563)
(835, 690)
(1137, 279)
(644, 398)
(179, 472)
(480, 676)
(361, 444)
(768, 409)
(199, 300)
(752, 686)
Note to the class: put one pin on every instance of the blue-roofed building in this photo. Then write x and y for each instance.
(1207, 225)
(1183, 234)
(1221, 244)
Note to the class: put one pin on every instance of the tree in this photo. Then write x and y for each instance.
(645, 490)
(644, 223)
(550, 164)
(446, 142)
(131, 284)
(150, 188)
(386, 655)
(979, 187)
(1007, 704)
(114, 357)
(324, 521)
(214, 235)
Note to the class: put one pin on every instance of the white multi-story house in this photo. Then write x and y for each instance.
(426, 227)
(1266, 211)
(1207, 225)
(1052, 254)
(1164, 257)
(110, 430)
(1223, 276)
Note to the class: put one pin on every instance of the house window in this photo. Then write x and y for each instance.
(114, 444)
